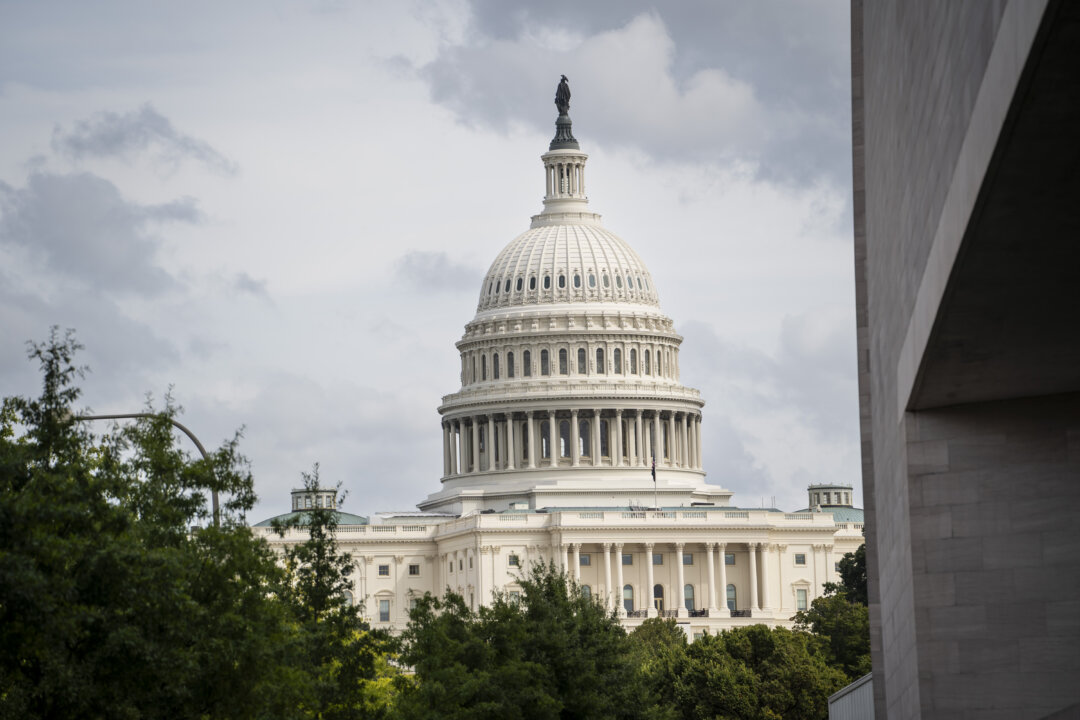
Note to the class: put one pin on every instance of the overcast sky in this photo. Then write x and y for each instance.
(284, 211)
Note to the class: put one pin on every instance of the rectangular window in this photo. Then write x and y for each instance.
(384, 611)
(729, 558)
(836, 566)
(460, 564)
(513, 561)
(451, 566)
(413, 602)
(688, 558)
(586, 559)
(628, 559)
(800, 599)
(414, 570)
(515, 596)
(384, 571)
(800, 559)
(470, 562)
(658, 559)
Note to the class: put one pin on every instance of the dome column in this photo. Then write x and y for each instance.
(491, 443)
(476, 444)
(697, 436)
(446, 448)
(462, 457)
(575, 439)
(684, 447)
(618, 444)
(672, 440)
(531, 441)
(597, 460)
(553, 449)
(639, 451)
(657, 446)
(510, 441)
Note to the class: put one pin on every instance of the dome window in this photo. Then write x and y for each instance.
(592, 280)
(520, 284)
(582, 363)
(491, 287)
(629, 283)
(507, 288)
(607, 283)
(633, 361)
(510, 364)
(495, 366)
(545, 366)
(483, 367)
(497, 286)
(563, 362)
(577, 280)
(526, 363)
(646, 284)
(562, 282)
(618, 281)
(600, 364)
(639, 283)
(532, 283)
(616, 358)
(547, 282)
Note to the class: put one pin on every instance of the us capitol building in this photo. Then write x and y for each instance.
(573, 441)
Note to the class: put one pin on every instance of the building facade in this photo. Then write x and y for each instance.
(573, 441)
(965, 118)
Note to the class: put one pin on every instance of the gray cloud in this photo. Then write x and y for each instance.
(684, 81)
(80, 226)
(127, 135)
(244, 283)
(436, 272)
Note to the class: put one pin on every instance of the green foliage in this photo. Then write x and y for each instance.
(853, 576)
(551, 653)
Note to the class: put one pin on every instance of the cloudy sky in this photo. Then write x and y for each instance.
(283, 211)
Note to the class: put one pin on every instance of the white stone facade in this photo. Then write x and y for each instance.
(572, 441)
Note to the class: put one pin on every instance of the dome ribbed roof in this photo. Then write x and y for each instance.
(566, 263)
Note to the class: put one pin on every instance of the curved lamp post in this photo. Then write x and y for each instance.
(177, 425)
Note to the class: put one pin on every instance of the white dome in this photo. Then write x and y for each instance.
(566, 263)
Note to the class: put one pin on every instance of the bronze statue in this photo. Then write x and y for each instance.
(562, 96)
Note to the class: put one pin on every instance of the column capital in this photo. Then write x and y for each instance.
(649, 546)
(607, 546)
(818, 546)
(679, 544)
(782, 547)
(619, 546)
(721, 546)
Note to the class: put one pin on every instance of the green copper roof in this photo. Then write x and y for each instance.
(294, 519)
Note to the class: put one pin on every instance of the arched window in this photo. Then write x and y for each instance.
(633, 361)
(605, 451)
(545, 439)
(545, 366)
(607, 283)
(495, 366)
(731, 598)
(474, 368)
(582, 363)
(483, 367)
(601, 366)
(562, 282)
(564, 439)
(520, 284)
(547, 282)
(639, 283)
(586, 592)
(592, 280)
(510, 364)
(532, 283)
(563, 362)
(526, 363)
(584, 449)
(618, 281)
(616, 358)
(577, 280)
(507, 287)
(497, 286)
(348, 597)
(658, 597)
(629, 283)
(688, 597)
(648, 365)
(628, 598)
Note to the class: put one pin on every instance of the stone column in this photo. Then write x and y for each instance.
(752, 547)
(476, 444)
(607, 575)
(491, 443)
(657, 444)
(510, 442)
(672, 442)
(553, 440)
(575, 439)
(697, 436)
(619, 576)
(597, 460)
(712, 578)
(682, 579)
(639, 452)
(828, 568)
(765, 550)
(453, 448)
(684, 450)
(651, 580)
(618, 441)
(577, 562)
(565, 550)
(722, 548)
(445, 449)
(534, 447)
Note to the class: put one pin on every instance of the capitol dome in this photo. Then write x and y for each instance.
(570, 391)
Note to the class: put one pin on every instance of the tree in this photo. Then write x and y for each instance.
(338, 660)
(853, 575)
(549, 653)
(756, 673)
(659, 651)
(840, 619)
(110, 606)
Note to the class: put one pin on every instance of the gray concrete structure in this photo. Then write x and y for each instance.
(966, 150)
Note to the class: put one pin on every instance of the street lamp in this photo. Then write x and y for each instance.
(133, 416)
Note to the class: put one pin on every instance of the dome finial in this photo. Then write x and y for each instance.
(564, 136)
